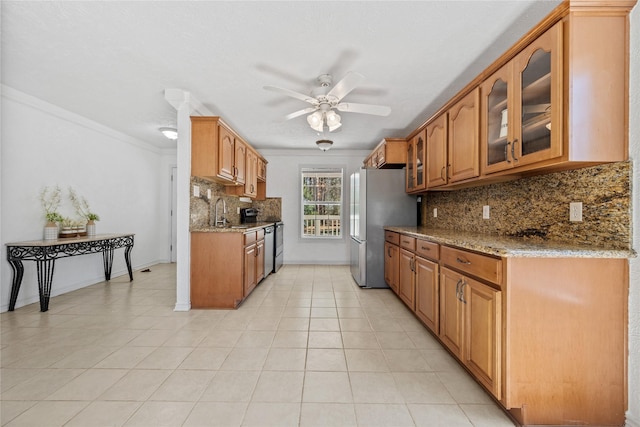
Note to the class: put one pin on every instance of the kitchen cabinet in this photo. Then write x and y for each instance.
(453, 143)
(556, 100)
(392, 266)
(253, 259)
(463, 154)
(436, 135)
(392, 260)
(427, 283)
(225, 267)
(390, 153)
(219, 154)
(544, 333)
(470, 326)
(416, 163)
(407, 280)
(522, 114)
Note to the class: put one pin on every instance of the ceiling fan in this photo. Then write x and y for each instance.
(324, 101)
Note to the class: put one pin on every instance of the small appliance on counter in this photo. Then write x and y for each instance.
(248, 215)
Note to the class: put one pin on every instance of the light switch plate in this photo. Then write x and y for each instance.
(485, 212)
(435, 212)
(209, 193)
(196, 191)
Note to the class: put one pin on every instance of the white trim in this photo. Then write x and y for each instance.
(631, 420)
(38, 104)
(266, 152)
(56, 290)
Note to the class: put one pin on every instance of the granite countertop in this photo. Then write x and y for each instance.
(503, 246)
(233, 228)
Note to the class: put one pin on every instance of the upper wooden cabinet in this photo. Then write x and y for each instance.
(452, 143)
(522, 107)
(390, 153)
(556, 100)
(462, 138)
(416, 150)
(219, 154)
(262, 169)
(436, 135)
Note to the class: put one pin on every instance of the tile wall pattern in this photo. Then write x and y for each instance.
(538, 207)
(202, 209)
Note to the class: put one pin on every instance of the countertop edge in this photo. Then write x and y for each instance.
(502, 246)
(250, 227)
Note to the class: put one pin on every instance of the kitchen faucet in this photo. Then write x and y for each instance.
(223, 221)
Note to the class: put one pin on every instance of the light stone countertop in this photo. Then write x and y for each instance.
(234, 228)
(503, 246)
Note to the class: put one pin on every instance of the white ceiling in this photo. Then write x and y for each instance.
(111, 61)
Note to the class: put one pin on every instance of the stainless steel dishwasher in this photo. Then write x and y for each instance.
(269, 249)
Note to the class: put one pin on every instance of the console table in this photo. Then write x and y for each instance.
(45, 253)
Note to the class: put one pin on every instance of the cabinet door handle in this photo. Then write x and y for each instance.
(425, 248)
(506, 154)
(442, 172)
(458, 289)
(464, 301)
(513, 150)
(463, 261)
(389, 252)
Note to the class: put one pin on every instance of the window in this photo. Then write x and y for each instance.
(321, 202)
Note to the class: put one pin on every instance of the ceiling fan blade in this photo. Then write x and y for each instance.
(346, 85)
(350, 107)
(300, 113)
(293, 94)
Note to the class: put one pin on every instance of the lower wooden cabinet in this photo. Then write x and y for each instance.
(407, 283)
(392, 266)
(427, 300)
(546, 336)
(225, 267)
(470, 326)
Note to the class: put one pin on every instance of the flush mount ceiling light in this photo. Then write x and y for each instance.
(170, 133)
(324, 144)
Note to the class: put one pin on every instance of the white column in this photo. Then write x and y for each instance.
(186, 106)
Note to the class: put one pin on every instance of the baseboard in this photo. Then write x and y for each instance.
(182, 307)
(56, 291)
(632, 421)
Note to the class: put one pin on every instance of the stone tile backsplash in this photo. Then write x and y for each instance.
(538, 207)
(202, 209)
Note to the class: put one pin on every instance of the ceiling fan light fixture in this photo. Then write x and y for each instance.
(324, 144)
(332, 118)
(334, 127)
(171, 133)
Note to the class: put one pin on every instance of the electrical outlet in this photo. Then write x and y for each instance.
(485, 212)
(196, 191)
(238, 211)
(575, 211)
(209, 193)
(435, 212)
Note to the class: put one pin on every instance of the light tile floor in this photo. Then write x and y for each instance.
(307, 348)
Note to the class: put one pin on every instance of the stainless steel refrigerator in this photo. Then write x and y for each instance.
(377, 199)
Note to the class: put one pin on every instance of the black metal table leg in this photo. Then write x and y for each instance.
(18, 272)
(127, 259)
(45, 278)
(107, 259)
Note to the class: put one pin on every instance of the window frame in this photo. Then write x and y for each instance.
(301, 204)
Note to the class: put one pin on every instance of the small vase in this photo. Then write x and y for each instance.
(50, 231)
(91, 228)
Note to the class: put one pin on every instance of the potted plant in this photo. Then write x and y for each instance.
(50, 200)
(82, 208)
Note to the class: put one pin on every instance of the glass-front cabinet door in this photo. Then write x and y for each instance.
(538, 75)
(411, 167)
(421, 168)
(521, 120)
(495, 137)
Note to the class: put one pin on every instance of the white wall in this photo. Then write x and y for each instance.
(126, 181)
(633, 415)
(283, 180)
